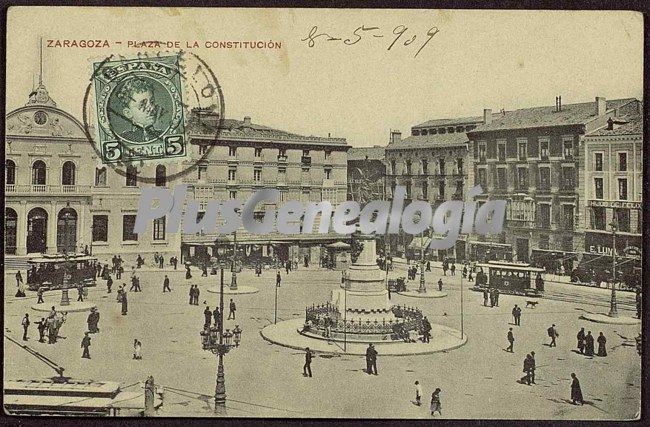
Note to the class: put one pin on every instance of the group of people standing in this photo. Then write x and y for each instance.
(493, 295)
(586, 343)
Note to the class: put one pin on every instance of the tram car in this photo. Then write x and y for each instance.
(47, 271)
(510, 278)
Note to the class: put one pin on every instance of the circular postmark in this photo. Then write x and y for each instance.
(153, 109)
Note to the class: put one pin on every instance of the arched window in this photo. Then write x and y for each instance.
(131, 176)
(161, 176)
(68, 176)
(11, 224)
(39, 171)
(10, 172)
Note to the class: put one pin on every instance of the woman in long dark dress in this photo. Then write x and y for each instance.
(589, 344)
(581, 340)
(125, 303)
(435, 402)
(188, 274)
(576, 391)
(602, 351)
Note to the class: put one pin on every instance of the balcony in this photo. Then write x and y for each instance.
(282, 158)
(49, 189)
(305, 160)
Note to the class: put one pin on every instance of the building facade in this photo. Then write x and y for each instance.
(433, 164)
(535, 159)
(60, 198)
(366, 173)
(247, 157)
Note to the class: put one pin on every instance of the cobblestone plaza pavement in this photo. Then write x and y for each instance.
(265, 380)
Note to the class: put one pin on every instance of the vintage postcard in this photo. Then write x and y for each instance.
(323, 213)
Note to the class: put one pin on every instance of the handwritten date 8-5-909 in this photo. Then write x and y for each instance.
(398, 34)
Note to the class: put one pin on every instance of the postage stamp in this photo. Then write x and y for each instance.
(140, 110)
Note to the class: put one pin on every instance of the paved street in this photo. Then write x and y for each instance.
(263, 379)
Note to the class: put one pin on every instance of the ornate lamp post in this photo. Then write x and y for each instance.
(233, 280)
(219, 342)
(423, 288)
(65, 298)
(613, 306)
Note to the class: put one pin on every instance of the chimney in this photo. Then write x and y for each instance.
(559, 103)
(247, 121)
(395, 136)
(601, 105)
(487, 116)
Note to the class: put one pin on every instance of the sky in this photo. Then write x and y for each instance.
(361, 91)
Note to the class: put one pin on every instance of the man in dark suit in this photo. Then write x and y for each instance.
(371, 360)
(208, 317)
(232, 308)
(306, 369)
(166, 285)
(511, 340)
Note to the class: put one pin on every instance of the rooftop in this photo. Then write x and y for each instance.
(202, 122)
(633, 126)
(570, 114)
(366, 153)
(450, 122)
(446, 140)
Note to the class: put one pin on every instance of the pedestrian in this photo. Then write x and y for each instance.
(161, 261)
(306, 369)
(532, 367)
(429, 265)
(278, 279)
(464, 271)
(486, 295)
(589, 344)
(134, 281)
(511, 340)
(453, 269)
(552, 332)
(208, 317)
(496, 297)
(435, 402)
(287, 266)
(217, 317)
(85, 344)
(444, 268)
(25, 324)
(204, 270)
(491, 297)
(42, 325)
(516, 312)
(188, 274)
(166, 287)
(426, 330)
(39, 294)
(440, 285)
(93, 320)
(470, 278)
(197, 293)
(576, 391)
(191, 293)
(137, 349)
(125, 303)
(581, 340)
(602, 351)
(51, 329)
(109, 283)
(232, 308)
(19, 279)
(80, 293)
(371, 359)
(418, 393)
(527, 368)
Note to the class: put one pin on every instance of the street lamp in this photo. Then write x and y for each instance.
(233, 280)
(613, 309)
(219, 342)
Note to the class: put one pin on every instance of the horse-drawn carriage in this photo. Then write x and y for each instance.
(48, 271)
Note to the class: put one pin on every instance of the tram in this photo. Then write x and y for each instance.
(510, 278)
(47, 271)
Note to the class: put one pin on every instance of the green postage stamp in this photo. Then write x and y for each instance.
(139, 106)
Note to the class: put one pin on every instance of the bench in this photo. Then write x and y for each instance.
(531, 303)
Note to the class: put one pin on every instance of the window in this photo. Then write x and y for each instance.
(543, 149)
(599, 217)
(432, 131)
(161, 176)
(232, 194)
(258, 152)
(544, 241)
(425, 167)
(328, 154)
(598, 162)
(39, 171)
(568, 149)
(100, 228)
(441, 166)
(408, 190)
(131, 176)
(305, 153)
(522, 150)
(392, 167)
(442, 130)
(501, 151)
(522, 178)
(623, 220)
(545, 215)
(282, 170)
(202, 171)
(10, 172)
(257, 175)
(68, 174)
(408, 167)
(481, 152)
(459, 166)
(328, 173)
(100, 177)
(568, 181)
(544, 179)
(598, 188)
(232, 151)
(459, 189)
(622, 189)
(282, 152)
(441, 190)
(567, 217)
(481, 178)
(425, 190)
(159, 228)
(128, 223)
(232, 174)
(502, 180)
(622, 162)
(203, 148)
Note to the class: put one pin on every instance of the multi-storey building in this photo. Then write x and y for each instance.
(366, 173)
(432, 163)
(246, 157)
(534, 158)
(60, 198)
(613, 190)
